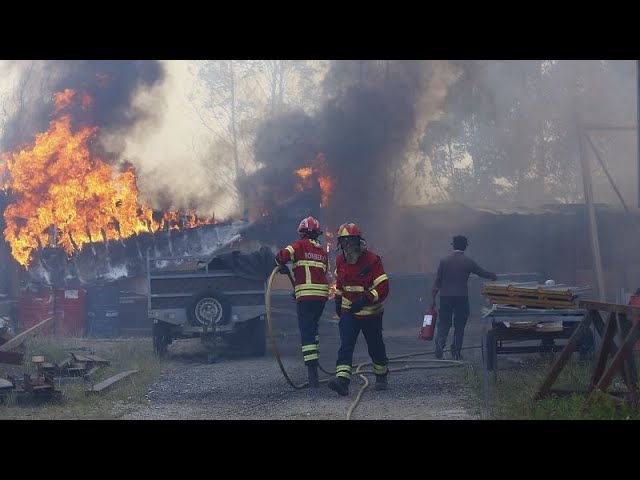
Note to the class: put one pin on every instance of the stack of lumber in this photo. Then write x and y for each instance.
(532, 294)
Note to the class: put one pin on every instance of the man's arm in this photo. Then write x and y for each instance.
(380, 286)
(436, 285)
(287, 254)
(478, 270)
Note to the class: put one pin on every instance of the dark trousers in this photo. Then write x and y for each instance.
(309, 312)
(452, 310)
(350, 328)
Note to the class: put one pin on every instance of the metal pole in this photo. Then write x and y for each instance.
(593, 226)
(638, 123)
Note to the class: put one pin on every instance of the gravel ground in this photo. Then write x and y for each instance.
(254, 388)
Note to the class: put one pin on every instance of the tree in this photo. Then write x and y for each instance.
(518, 123)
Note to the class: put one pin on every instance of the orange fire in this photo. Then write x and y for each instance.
(63, 195)
(321, 170)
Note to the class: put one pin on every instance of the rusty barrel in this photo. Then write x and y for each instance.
(34, 306)
(71, 312)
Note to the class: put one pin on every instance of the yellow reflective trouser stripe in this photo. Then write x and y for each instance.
(312, 286)
(318, 342)
(374, 292)
(380, 369)
(291, 251)
(307, 275)
(380, 279)
(346, 303)
(343, 371)
(310, 263)
(370, 310)
(310, 352)
(312, 293)
(353, 288)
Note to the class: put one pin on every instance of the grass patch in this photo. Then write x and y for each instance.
(511, 395)
(124, 396)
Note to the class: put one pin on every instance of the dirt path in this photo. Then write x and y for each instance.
(254, 388)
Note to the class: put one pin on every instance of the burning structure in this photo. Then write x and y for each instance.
(74, 215)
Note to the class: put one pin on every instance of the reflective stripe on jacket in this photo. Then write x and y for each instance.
(310, 265)
(365, 277)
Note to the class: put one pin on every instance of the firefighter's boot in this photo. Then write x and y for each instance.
(340, 385)
(381, 382)
(312, 371)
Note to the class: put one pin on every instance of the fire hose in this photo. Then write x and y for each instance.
(436, 363)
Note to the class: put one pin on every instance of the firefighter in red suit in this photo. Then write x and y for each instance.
(361, 287)
(310, 263)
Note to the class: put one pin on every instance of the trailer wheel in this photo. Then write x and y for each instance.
(209, 308)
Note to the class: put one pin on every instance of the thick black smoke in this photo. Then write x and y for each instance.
(112, 84)
(362, 129)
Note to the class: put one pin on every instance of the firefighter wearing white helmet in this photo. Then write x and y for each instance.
(310, 263)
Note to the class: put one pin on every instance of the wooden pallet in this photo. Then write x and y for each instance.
(531, 294)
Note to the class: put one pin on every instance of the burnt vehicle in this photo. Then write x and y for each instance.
(219, 299)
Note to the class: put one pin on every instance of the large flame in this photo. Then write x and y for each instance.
(320, 171)
(62, 194)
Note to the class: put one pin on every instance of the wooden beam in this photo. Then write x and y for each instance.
(607, 348)
(19, 339)
(616, 363)
(629, 370)
(609, 307)
(587, 183)
(102, 386)
(564, 356)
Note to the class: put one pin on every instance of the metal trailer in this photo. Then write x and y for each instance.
(203, 297)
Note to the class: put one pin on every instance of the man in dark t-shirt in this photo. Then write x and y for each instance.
(451, 281)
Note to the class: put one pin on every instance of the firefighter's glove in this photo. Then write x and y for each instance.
(358, 303)
(338, 306)
(284, 270)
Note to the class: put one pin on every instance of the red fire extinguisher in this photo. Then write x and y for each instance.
(428, 324)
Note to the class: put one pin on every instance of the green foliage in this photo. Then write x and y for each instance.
(512, 394)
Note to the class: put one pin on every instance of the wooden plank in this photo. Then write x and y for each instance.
(11, 358)
(64, 363)
(87, 376)
(532, 303)
(618, 358)
(19, 339)
(5, 384)
(609, 307)
(607, 348)
(96, 359)
(629, 365)
(78, 357)
(102, 386)
(563, 358)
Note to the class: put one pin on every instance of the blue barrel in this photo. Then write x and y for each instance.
(134, 315)
(102, 311)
